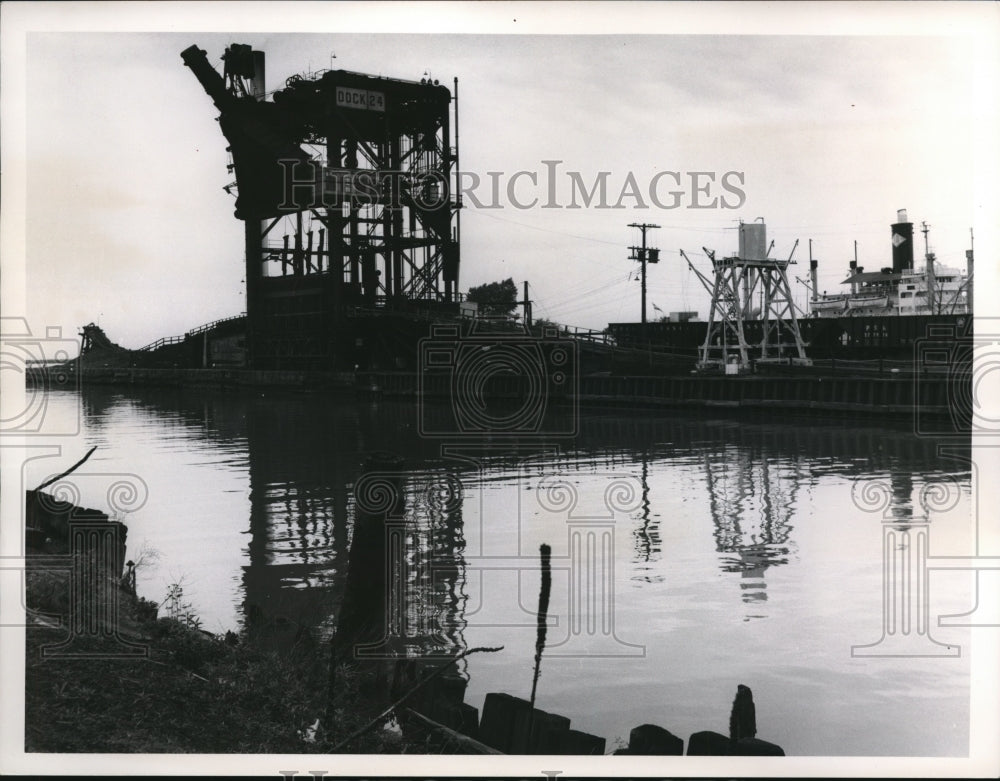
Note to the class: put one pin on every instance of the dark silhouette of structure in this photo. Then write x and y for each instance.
(345, 186)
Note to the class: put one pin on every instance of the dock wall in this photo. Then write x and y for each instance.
(937, 395)
(215, 378)
(901, 396)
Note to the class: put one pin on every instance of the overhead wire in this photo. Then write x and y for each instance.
(588, 238)
(601, 290)
(581, 306)
(543, 230)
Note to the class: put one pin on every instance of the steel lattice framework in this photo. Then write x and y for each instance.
(750, 288)
(346, 185)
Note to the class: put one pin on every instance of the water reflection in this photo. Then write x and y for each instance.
(299, 517)
(405, 591)
(438, 567)
(901, 505)
(752, 498)
(303, 455)
(647, 534)
(725, 507)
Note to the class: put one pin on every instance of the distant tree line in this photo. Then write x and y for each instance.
(499, 299)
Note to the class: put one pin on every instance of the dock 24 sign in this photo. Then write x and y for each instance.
(369, 100)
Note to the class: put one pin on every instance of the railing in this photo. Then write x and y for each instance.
(586, 334)
(168, 340)
(162, 342)
(589, 335)
(209, 326)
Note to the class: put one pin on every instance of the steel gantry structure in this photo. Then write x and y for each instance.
(346, 184)
(752, 315)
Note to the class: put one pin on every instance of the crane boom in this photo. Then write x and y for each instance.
(263, 155)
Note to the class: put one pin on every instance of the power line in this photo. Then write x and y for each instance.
(542, 230)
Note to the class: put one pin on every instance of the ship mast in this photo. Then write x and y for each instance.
(929, 258)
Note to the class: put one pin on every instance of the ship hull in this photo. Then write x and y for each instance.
(850, 338)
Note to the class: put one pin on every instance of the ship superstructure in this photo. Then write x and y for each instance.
(900, 290)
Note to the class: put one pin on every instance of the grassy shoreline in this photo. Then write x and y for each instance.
(190, 692)
(135, 682)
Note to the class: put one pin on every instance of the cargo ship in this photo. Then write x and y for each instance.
(900, 290)
(881, 315)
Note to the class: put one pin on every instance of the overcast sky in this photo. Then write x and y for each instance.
(128, 223)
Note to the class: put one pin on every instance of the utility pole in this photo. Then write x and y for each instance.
(527, 306)
(644, 255)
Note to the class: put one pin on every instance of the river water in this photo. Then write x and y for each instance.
(691, 552)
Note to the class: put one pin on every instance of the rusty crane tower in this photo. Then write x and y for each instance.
(752, 315)
(346, 186)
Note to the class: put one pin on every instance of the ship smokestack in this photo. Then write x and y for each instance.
(854, 273)
(902, 243)
(813, 278)
(259, 91)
